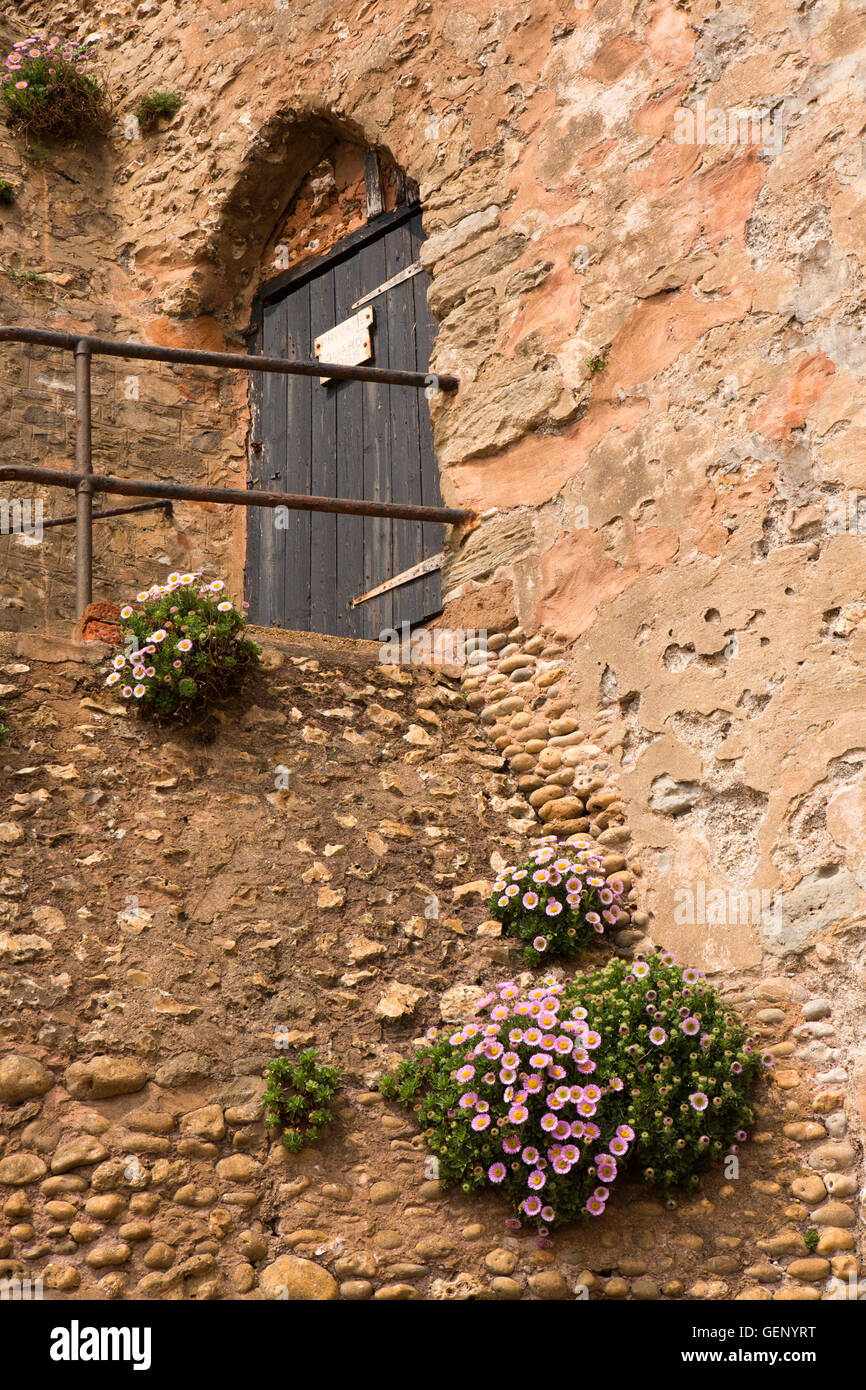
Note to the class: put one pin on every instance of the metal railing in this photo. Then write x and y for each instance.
(84, 482)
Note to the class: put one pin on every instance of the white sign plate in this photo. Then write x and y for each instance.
(348, 343)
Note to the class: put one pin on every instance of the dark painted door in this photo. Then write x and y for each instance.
(344, 439)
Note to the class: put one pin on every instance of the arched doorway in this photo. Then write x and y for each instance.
(312, 571)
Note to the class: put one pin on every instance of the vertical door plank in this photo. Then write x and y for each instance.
(294, 542)
(430, 587)
(376, 615)
(349, 395)
(273, 468)
(323, 526)
(399, 305)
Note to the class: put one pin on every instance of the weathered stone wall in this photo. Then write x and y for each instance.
(678, 192)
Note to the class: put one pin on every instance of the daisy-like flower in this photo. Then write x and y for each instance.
(481, 1122)
(468, 1101)
(512, 890)
(223, 607)
(496, 1172)
(625, 1132)
(540, 943)
(657, 1036)
(115, 677)
(139, 691)
(158, 636)
(553, 908)
(691, 976)
(503, 902)
(216, 586)
(698, 1101)
(541, 876)
(126, 692)
(530, 900)
(518, 1114)
(595, 1206)
(465, 1073)
(184, 645)
(187, 579)
(767, 1059)
(511, 1145)
(536, 1180)
(691, 1026)
(640, 970)
(531, 1205)
(126, 612)
(21, 86)
(618, 1147)
(119, 662)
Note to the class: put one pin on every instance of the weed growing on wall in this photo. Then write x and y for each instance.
(156, 106)
(7, 193)
(550, 1093)
(556, 900)
(50, 89)
(298, 1097)
(184, 648)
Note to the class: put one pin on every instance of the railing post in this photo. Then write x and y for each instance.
(84, 467)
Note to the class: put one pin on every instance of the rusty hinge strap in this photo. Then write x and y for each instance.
(433, 562)
(405, 274)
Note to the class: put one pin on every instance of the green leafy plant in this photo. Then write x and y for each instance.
(297, 1097)
(30, 278)
(49, 89)
(549, 1094)
(157, 106)
(557, 900)
(2, 725)
(596, 362)
(811, 1237)
(7, 193)
(184, 648)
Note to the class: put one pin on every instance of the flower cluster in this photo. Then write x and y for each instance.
(517, 1100)
(685, 1060)
(549, 1094)
(48, 90)
(297, 1097)
(557, 900)
(183, 648)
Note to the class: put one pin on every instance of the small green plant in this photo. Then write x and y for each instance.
(156, 106)
(48, 90)
(297, 1097)
(26, 277)
(2, 725)
(811, 1237)
(549, 1093)
(35, 154)
(183, 649)
(596, 362)
(7, 193)
(557, 900)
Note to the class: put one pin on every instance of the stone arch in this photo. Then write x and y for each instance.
(280, 156)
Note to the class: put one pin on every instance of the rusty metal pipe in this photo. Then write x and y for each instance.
(235, 497)
(84, 470)
(113, 511)
(104, 347)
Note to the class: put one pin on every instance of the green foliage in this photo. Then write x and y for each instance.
(549, 1094)
(183, 649)
(596, 362)
(156, 106)
(811, 1237)
(297, 1097)
(2, 725)
(557, 900)
(7, 193)
(28, 278)
(48, 91)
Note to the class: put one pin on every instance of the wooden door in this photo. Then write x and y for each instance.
(344, 439)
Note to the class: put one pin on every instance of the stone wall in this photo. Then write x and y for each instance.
(646, 242)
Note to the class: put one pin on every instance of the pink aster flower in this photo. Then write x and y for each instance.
(698, 1101)
(496, 1172)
